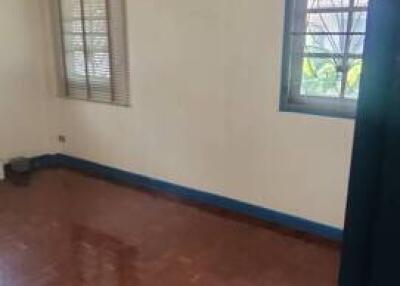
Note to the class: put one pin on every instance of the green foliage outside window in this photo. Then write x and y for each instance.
(322, 77)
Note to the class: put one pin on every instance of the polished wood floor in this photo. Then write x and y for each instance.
(68, 229)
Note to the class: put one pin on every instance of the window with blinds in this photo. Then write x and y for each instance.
(93, 50)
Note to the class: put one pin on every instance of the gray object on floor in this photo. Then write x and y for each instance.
(20, 165)
(18, 171)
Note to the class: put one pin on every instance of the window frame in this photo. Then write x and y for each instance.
(340, 107)
(61, 53)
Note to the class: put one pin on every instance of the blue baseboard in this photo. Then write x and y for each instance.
(137, 180)
(45, 161)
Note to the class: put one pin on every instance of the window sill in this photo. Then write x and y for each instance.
(94, 101)
(319, 110)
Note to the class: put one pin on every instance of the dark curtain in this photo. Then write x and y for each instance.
(371, 245)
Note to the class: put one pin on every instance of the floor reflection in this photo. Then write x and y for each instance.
(102, 260)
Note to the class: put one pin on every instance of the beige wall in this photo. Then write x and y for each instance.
(205, 91)
(24, 124)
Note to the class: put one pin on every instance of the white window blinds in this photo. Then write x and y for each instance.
(93, 50)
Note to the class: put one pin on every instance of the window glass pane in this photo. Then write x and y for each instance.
(353, 79)
(97, 43)
(71, 9)
(71, 16)
(320, 77)
(361, 3)
(75, 43)
(98, 57)
(327, 22)
(98, 65)
(75, 58)
(76, 66)
(96, 26)
(73, 26)
(359, 22)
(357, 44)
(332, 44)
(313, 4)
(95, 9)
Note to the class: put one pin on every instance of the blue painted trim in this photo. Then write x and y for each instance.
(137, 180)
(45, 161)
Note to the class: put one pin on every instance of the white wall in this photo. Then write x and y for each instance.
(24, 124)
(204, 114)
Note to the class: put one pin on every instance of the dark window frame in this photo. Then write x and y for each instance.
(316, 105)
